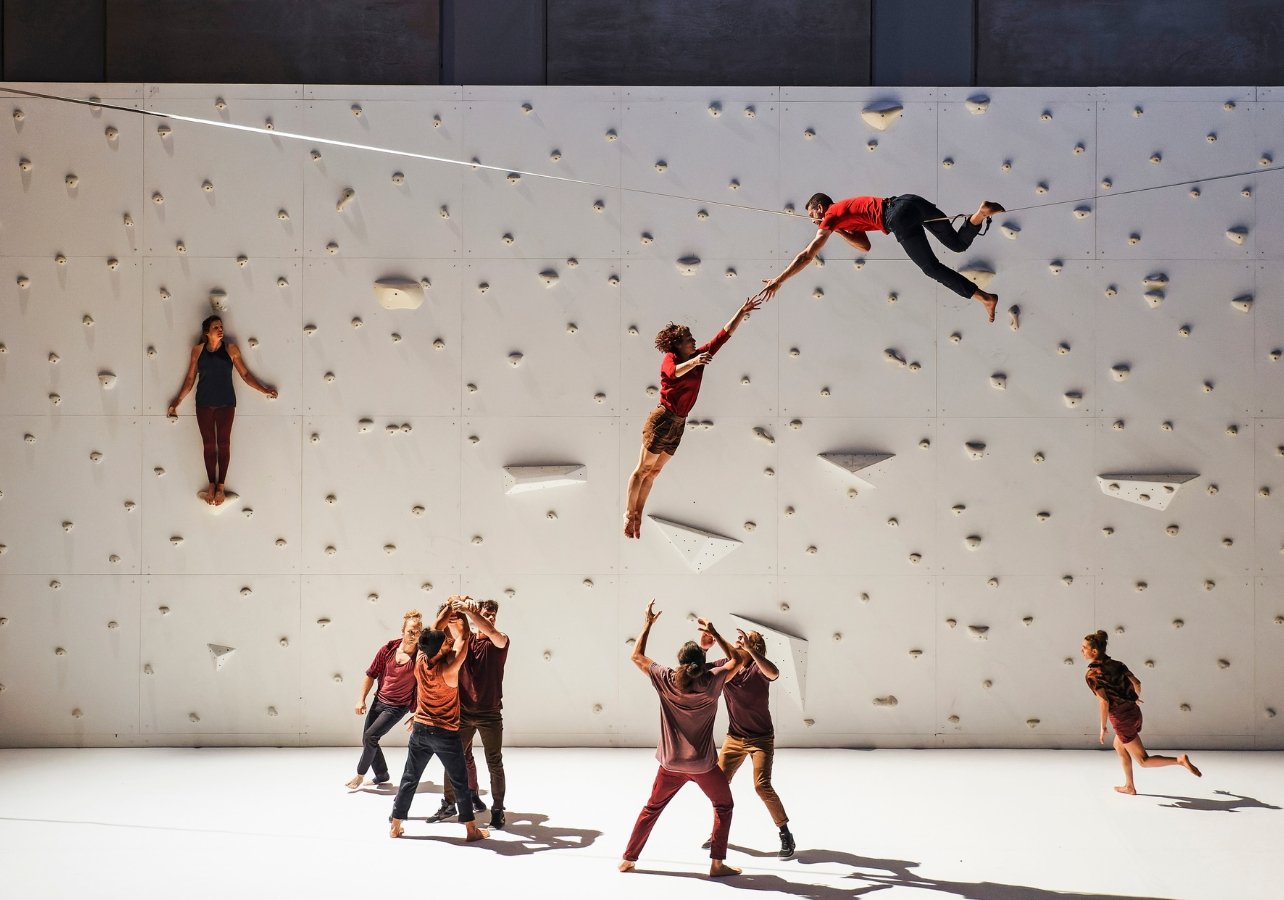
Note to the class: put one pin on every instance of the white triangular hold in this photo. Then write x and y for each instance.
(399, 293)
(880, 116)
(979, 275)
(700, 549)
(1152, 490)
(520, 479)
(220, 654)
(789, 653)
(865, 466)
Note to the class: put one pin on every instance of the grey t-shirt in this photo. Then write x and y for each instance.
(686, 720)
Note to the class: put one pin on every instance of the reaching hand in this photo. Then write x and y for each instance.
(751, 304)
(650, 614)
(271, 393)
(707, 627)
(772, 285)
(704, 359)
(742, 639)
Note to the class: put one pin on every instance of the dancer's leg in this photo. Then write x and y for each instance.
(640, 482)
(451, 751)
(205, 421)
(1138, 752)
(379, 721)
(763, 754)
(1126, 761)
(418, 753)
(905, 219)
(715, 787)
(223, 416)
(662, 790)
(731, 755)
(491, 730)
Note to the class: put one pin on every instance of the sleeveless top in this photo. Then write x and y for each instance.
(437, 702)
(214, 385)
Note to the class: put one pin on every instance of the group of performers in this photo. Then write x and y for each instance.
(449, 676)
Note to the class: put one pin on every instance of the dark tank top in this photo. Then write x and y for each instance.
(214, 387)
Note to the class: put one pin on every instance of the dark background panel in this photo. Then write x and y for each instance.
(1130, 42)
(923, 43)
(274, 41)
(709, 42)
(492, 41)
(53, 40)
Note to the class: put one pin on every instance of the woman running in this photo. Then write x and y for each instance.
(1118, 692)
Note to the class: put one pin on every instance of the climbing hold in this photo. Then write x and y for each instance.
(1120, 372)
(977, 104)
(999, 381)
(889, 700)
(974, 449)
(979, 275)
(1014, 317)
(979, 631)
(1072, 399)
(1242, 304)
(1237, 235)
(688, 265)
(880, 116)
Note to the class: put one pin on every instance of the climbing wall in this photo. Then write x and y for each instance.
(923, 512)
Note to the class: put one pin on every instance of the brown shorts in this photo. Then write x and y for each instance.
(663, 431)
(1126, 720)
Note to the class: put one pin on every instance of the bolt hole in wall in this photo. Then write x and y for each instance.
(922, 511)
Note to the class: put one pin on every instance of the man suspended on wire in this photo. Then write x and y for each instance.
(908, 217)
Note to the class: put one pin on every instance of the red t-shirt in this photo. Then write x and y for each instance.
(686, 721)
(748, 709)
(396, 682)
(678, 393)
(855, 214)
(481, 680)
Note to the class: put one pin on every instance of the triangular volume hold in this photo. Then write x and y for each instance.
(221, 654)
(865, 466)
(699, 549)
(520, 479)
(1154, 490)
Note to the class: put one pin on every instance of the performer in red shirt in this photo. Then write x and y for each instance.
(688, 704)
(394, 669)
(908, 217)
(681, 371)
(1118, 693)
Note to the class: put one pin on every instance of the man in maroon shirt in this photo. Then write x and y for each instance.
(905, 216)
(749, 729)
(681, 372)
(481, 691)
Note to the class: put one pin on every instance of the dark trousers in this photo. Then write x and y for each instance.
(379, 721)
(425, 740)
(489, 726)
(215, 423)
(904, 217)
(715, 787)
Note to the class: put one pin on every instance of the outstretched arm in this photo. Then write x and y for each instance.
(700, 359)
(742, 313)
(746, 653)
(801, 261)
(246, 375)
(638, 656)
(188, 381)
(733, 663)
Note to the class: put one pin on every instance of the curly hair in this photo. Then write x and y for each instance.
(671, 337)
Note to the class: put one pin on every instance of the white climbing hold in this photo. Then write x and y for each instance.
(1154, 491)
(221, 654)
(974, 450)
(972, 541)
(1154, 297)
(999, 381)
(699, 549)
(880, 116)
(977, 104)
(868, 468)
(979, 275)
(1120, 372)
(107, 380)
(1242, 304)
(1072, 399)
(688, 265)
(1237, 235)
(522, 479)
(979, 631)
(399, 293)
(893, 357)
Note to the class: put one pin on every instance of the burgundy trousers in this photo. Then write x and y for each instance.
(667, 784)
(215, 423)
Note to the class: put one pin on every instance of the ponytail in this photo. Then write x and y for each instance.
(1097, 641)
(691, 661)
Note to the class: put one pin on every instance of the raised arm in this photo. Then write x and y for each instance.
(746, 652)
(734, 662)
(188, 381)
(801, 261)
(246, 375)
(742, 313)
(482, 624)
(638, 656)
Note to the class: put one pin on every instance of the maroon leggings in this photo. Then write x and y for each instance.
(715, 787)
(216, 435)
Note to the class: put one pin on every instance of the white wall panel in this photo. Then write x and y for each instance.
(340, 501)
(69, 325)
(185, 692)
(69, 657)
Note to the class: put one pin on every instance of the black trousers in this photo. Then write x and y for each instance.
(380, 719)
(904, 217)
(425, 740)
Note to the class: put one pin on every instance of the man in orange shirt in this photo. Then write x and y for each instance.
(909, 217)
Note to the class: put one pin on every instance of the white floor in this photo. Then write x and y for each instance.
(998, 825)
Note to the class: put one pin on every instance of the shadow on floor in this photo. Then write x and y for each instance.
(1207, 804)
(532, 835)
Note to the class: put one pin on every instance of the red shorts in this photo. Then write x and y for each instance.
(1126, 721)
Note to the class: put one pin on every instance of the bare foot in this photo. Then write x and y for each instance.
(355, 782)
(632, 524)
(219, 496)
(475, 834)
(990, 302)
(985, 210)
(1190, 766)
(394, 828)
(719, 869)
(627, 865)
(209, 494)
(1126, 789)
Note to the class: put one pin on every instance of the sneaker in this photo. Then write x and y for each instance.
(381, 779)
(444, 812)
(497, 817)
(786, 843)
(478, 806)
